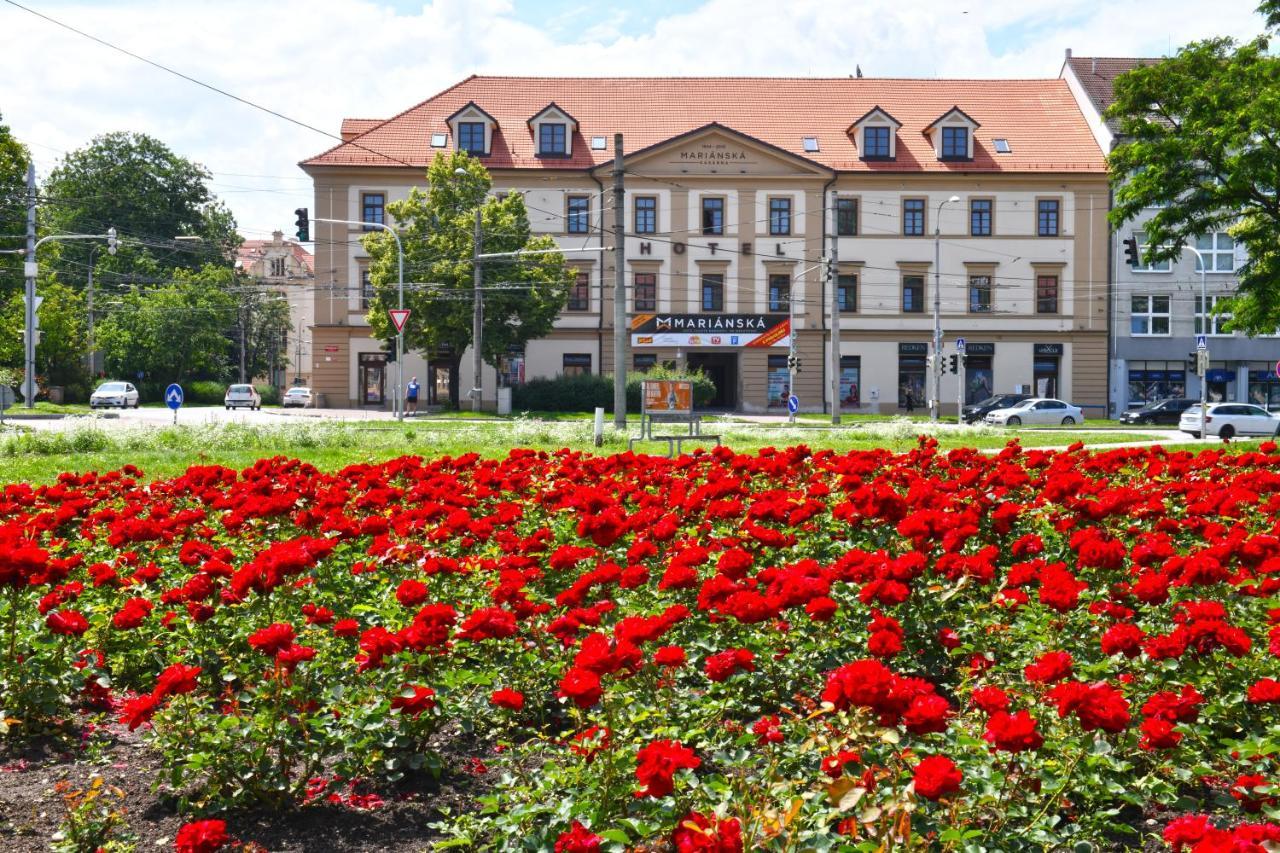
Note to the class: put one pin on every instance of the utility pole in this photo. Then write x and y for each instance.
(477, 320)
(833, 280)
(243, 323)
(935, 404)
(619, 290)
(29, 268)
(93, 356)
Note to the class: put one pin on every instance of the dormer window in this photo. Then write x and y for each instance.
(955, 143)
(952, 135)
(551, 138)
(876, 135)
(473, 130)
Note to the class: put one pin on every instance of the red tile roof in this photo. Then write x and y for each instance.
(1041, 120)
(251, 251)
(352, 127)
(1097, 75)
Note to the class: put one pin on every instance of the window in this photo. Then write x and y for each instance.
(277, 267)
(913, 217)
(373, 208)
(875, 143)
(847, 217)
(979, 294)
(1149, 315)
(811, 144)
(1046, 294)
(1219, 252)
(713, 216)
(1002, 146)
(439, 140)
(366, 289)
(1143, 245)
(646, 292)
(551, 138)
(779, 293)
(913, 294)
(779, 217)
(471, 137)
(643, 362)
(712, 292)
(1047, 217)
(579, 214)
(1150, 381)
(580, 293)
(955, 143)
(576, 364)
(911, 381)
(597, 143)
(646, 214)
(1217, 322)
(980, 217)
(847, 292)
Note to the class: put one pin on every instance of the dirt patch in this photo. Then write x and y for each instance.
(32, 809)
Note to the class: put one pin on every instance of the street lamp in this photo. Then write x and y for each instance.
(935, 403)
(1204, 329)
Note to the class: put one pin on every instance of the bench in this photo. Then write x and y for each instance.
(675, 443)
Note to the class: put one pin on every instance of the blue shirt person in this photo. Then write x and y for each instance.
(411, 395)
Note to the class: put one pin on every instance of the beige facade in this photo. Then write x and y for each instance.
(1037, 320)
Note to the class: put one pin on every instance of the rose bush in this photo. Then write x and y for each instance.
(787, 650)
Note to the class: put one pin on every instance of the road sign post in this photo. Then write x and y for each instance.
(793, 404)
(173, 397)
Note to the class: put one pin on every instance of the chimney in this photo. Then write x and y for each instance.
(1093, 65)
(1068, 53)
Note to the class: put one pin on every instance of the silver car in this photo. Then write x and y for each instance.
(1037, 410)
(114, 395)
(242, 395)
(297, 397)
(1226, 420)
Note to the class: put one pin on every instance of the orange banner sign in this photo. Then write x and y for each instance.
(668, 397)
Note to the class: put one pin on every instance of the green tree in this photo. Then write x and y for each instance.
(174, 332)
(522, 297)
(135, 183)
(265, 315)
(60, 354)
(1202, 144)
(1270, 10)
(14, 158)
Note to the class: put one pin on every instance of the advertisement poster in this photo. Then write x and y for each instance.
(977, 384)
(710, 330)
(850, 386)
(779, 387)
(668, 396)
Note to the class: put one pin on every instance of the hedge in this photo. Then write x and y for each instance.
(586, 393)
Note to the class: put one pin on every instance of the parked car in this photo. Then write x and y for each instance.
(1226, 420)
(1036, 410)
(975, 412)
(1162, 412)
(242, 395)
(114, 394)
(297, 397)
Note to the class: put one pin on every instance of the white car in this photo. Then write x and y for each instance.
(299, 397)
(1037, 410)
(1230, 419)
(242, 395)
(114, 395)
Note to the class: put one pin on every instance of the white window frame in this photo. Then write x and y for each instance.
(1218, 319)
(1142, 253)
(1150, 315)
(1215, 253)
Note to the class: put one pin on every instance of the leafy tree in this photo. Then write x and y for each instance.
(265, 316)
(13, 207)
(1270, 10)
(135, 183)
(174, 332)
(1202, 143)
(60, 355)
(522, 297)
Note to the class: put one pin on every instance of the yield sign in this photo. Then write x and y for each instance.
(399, 316)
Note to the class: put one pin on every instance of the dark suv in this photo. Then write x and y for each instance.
(1162, 412)
(977, 411)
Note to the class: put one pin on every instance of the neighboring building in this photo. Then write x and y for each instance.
(288, 267)
(1156, 312)
(729, 184)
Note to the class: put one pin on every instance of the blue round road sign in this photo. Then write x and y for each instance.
(173, 396)
(793, 404)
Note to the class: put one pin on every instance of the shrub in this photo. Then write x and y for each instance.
(585, 393)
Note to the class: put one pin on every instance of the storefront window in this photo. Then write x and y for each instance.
(511, 369)
(979, 378)
(911, 382)
(1046, 376)
(850, 380)
(643, 362)
(1151, 381)
(779, 382)
(1264, 385)
(1221, 380)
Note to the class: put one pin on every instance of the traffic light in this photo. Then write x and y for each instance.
(112, 242)
(793, 362)
(303, 224)
(1131, 252)
(391, 350)
(953, 363)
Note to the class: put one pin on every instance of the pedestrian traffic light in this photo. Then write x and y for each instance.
(303, 224)
(112, 242)
(390, 345)
(793, 362)
(1131, 252)
(953, 363)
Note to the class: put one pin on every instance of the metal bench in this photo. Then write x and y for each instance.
(660, 398)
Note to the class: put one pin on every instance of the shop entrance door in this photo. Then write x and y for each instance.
(722, 369)
(373, 379)
(438, 385)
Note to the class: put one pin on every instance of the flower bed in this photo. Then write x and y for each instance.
(790, 650)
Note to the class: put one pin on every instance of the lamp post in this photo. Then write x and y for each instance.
(1204, 329)
(936, 402)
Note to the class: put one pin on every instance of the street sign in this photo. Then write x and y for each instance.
(399, 316)
(29, 389)
(1202, 342)
(793, 404)
(39, 301)
(959, 344)
(173, 396)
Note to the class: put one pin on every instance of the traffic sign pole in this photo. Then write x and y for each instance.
(173, 398)
(960, 347)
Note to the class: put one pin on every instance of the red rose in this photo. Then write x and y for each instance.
(670, 656)
(582, 686)
(1264, 690)
(67, 623)
(927, 714)
(201, 836)
(833, 765)
(132, 614)
(505, 697)
(414, 700)
(698, 833)
(346, 628)
(768, 730)
(936, 776)
(990, 699)
(1049, 667)
(176, 680)
(1123, 638)
(139, 710)
(1013, 732)
(273, 638)
(948, 638)
(658, 763)
(411, 593)
(1159, 733)
(578, 839)
(821, 609)
(722, 665)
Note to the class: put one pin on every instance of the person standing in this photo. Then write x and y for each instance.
(411, 396)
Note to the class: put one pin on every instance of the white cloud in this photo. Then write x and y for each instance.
(319, 62)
